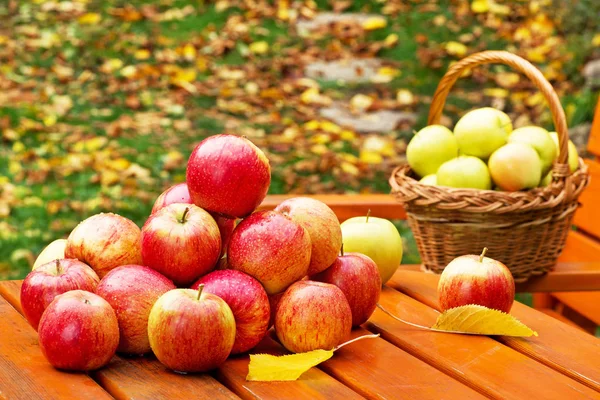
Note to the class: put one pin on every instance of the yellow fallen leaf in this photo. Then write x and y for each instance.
(596, 40)
(361, 102)
(319, 149)
(268, 368)
(312, 125)
(350, 169)
(496, 92)
(330, 127)
(129, 71)
(483, 6)
(456, 49)
(404, 97)
(370, 157)
(111, 65)
(89, 19)
(321, 138)
(109, 178)
(261, 47)
(312, 96)
(347, 135)
(480, 320)
(507, 79)
(390, 40)
(141, 54)
(189, 52)
(373, 23)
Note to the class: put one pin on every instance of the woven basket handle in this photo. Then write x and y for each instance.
(519, 64)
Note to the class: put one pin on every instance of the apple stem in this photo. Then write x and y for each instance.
(368, 214)
(57, 266)
(401, 320)
(187, 209)
(86, 301)
(200, 288)
(342, 250)
(373, 336)
(482, 254)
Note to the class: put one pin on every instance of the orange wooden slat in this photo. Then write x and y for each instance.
(560, 346)
(587, 217)
(550, 312)
(313, 384)
(478, 361)
(580, 248)
(347, 206)
(377, 369)
(25, 373)
(594, 140)
(585, 303)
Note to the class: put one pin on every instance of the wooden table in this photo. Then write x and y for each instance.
(405, 362)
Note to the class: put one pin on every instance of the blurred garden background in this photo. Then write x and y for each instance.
(101, 102)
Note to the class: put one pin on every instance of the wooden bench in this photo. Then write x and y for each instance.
(583, 245)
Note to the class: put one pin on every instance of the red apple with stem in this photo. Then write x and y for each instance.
(78, 331)
(473, 279)
(191, 331)
(105, 241)
(182, 242)
(132, 290)
(312, 315)
(272, 248)
(358, 277)
(323, 228)
(49, 280)
(228, 175)
(248, 301)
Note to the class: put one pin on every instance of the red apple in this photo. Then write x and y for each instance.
(358, 277)
(132, 290)
(79, 331)
(105, 241)
(182, 242)
(228, 175)
(179, 194)
(313, 315)
(274, 304)
(175, 194)
(191, 331)
(323, 228)
(473, 279)
(248, 301)
(49, 280)
(272, 248)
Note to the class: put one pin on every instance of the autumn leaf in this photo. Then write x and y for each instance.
(261, 47)
(456, 49)
(89, 19)
(268, 368)
(373, 23)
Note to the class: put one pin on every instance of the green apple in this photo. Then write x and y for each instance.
(515, 166)
(546, 180)
(482, 131)
(55, 250)
(377, 238)
(429, 180)
(464, 172)
(573, 155)
(540, 140)
(429, 148)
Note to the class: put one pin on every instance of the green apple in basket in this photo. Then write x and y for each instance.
(482, 131)
(515, 166)
(464, 172)
(540, 140)
(573, 155)
(431, 147)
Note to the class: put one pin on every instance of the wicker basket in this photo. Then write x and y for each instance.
(525, 230)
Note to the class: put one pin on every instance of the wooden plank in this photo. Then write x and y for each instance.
(313, 384)
(559, 346)
(347, 206)
(588, 215)
(136, 377)
(377, 369)
(550, 312)
(594, 140)
(488, 366)
(584, 303)
(25, 373)
(580, 248)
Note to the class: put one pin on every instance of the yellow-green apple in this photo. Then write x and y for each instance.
(546, 180)
(429, 180)
(274, 303)
(49, 280)
(228, 175)
(429, 148)
(540, 140)
(573, 159)
(482, 131)
(78, 331)
(180, 194)
(473, 279)
(191, 331)
(272, 248)
(132, 290)
(55, 250)
(376, 238)
(323, 228)
(248, 302)
(515, 166)
(466, 172)
(105, 241)
(358, 277)
(182, 242)
(312, 315)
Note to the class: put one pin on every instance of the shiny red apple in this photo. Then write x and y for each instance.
(182, 242)
(132, 290)
(105, 241)
(248, 301)
(49, 280)
(78, 331)
(313, 315)
(228, 175)
(358, 277)
(272, 248)
(473, 279)
(323, 228)
(191, 331)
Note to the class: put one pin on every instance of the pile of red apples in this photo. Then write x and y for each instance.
(206, 277)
